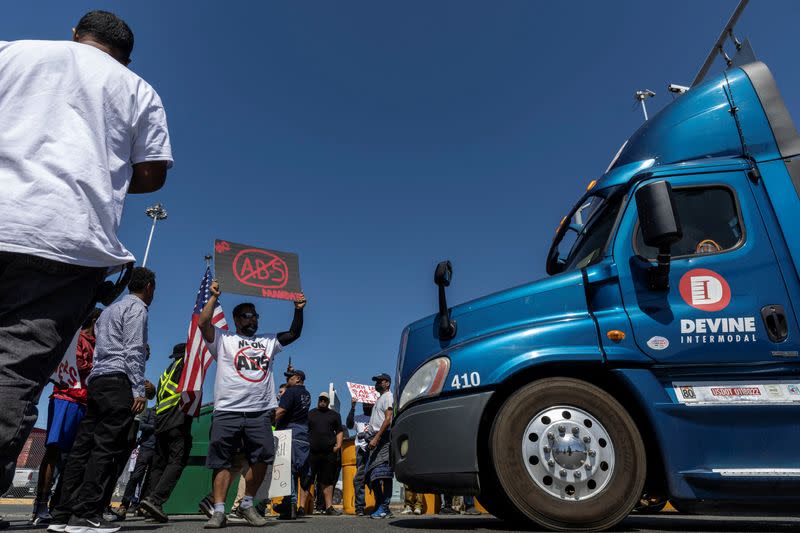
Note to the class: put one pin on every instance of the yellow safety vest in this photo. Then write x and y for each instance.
(168, 395)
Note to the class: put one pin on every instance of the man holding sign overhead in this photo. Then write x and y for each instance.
(244, 393)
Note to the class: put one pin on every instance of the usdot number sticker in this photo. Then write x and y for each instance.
(465, 381)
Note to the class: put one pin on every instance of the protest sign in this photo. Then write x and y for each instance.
(256, 271)
(278, 480)
(363, 393)
(67, 371)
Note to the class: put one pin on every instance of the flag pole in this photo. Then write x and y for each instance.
(208, 261)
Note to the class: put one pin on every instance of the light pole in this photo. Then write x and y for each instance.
(641, 96)
(156, 212)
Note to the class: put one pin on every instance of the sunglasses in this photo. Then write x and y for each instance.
(248, 316)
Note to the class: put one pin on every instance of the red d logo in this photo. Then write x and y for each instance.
(705, 290)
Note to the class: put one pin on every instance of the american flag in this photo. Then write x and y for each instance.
(198, 359)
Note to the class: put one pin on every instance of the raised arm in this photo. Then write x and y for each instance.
(351, 416)
(288, 337)
(204, 321)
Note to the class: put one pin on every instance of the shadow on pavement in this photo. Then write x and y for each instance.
(632, 524)
(726, 524)
(455, 523)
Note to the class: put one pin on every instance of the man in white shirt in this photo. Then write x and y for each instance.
(78, 132)
(379, 470)
(244, 395)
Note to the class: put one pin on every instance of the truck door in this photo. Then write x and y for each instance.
(724, 281)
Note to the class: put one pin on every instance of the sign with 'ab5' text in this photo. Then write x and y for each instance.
(363, 393)
(278, 481)
(254, 271)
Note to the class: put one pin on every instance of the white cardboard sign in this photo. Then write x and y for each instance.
(363, 393)
(278, 481)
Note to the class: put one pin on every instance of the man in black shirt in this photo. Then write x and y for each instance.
(325, 428)
(292, 413)
(173, 438)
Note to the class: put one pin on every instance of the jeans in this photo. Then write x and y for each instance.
(301, 448)
(382, 488)
(42, 305)
(143, 461)
(469, 502)
(102, 440)
(358, 479)
(172, 454)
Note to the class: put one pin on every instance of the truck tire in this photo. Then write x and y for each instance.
(568, 455)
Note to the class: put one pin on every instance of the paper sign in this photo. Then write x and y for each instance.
(278, 481)
(256, 271)
(67, 371)
(363, 393)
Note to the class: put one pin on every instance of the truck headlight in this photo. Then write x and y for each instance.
(426, 382)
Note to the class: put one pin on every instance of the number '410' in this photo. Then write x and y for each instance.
(465, 381)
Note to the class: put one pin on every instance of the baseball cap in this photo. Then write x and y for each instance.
(381, 376)
(295, 373)
(178, 350)
(324, 395)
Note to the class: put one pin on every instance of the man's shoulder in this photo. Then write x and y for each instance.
(386, 399)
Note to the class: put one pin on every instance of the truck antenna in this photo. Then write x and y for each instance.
(727, 32)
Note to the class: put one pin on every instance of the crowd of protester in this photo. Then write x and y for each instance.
(54, 261)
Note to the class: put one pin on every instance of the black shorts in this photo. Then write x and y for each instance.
(231, 431)
(324, 468)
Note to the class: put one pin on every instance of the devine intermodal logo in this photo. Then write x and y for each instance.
(705, 290)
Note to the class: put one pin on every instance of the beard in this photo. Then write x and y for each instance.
(249, 330)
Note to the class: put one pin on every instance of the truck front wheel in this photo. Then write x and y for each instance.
(568, 455)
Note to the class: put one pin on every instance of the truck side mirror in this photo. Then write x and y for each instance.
(660, 227)
(442, 276)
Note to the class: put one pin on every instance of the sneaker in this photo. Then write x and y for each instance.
(380, 513)
(235, 516)
(217, 521)
(332, 511)
(472, 511)
(417, 511)
(300, 512)
(360, 512)
(206, 506)
(288, 513)
(90, 525)
(407, 510)
(41, 519)
(253, 518)
(56, 526)
(154, 511)
(447, 510)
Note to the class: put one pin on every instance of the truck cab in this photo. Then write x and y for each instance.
(660, 358)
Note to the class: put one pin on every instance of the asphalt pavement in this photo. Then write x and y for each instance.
(663, 522)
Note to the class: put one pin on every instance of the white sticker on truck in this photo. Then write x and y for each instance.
(737, 393)
(658, 343)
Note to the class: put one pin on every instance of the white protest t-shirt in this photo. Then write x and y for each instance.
(244, 380)
(73, 121)
(379, 411)
(360, 423)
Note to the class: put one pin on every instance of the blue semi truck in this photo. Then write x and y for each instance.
(660, 358)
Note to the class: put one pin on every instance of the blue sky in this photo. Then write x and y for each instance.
(375, 139)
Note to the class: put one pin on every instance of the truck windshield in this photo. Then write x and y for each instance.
(588, 232)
